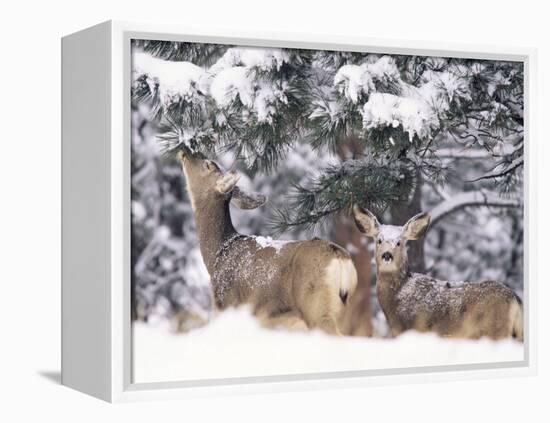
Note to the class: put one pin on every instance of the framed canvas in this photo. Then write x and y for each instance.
(265, 212)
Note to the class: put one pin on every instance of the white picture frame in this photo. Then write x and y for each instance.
(96, 324)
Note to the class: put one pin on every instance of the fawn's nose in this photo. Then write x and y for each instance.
(387, 256)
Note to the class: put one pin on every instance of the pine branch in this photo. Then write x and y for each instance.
(461, 153)
(470, 199)
(366, 182)
(200, 54)
(516, 163)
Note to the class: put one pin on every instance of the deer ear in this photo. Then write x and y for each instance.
(366, 221)
(417, 226)
(247, 200)
(227, 182)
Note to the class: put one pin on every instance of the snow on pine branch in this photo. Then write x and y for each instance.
(470, 199)
(354, 81)
(388, 101)
(259, 96)
(230, 83)
(170, 81)
(502, 169)
(442, 88)
(264, 59)
(239, 74)
(388, 110)
(461, 153)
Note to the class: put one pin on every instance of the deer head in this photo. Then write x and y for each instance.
(209, 183)
(391, 241)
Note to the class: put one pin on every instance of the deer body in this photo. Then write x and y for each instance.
(420, 302)
(463, 310)
(294, 284)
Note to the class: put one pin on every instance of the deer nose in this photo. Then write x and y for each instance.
(387, 256)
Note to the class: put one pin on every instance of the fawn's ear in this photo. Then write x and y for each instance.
(247, 200)
(417, 226)
(227, 182)
(366, 221)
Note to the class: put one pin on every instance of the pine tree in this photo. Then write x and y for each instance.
(448, 131)
(261, 102)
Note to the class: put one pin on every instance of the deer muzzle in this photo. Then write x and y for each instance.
(185, 152)
(387, 256)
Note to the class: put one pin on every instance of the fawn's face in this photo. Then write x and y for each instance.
(391, 241)
(207, 181)
(390, 248)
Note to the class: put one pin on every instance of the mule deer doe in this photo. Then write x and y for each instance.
(420, 302)
(294, 284)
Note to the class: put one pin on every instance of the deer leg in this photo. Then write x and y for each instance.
(322, 309)
(272, 318)
(290, 320)
(329, 325)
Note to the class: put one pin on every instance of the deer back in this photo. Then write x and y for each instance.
(312, 277)
(462, 309)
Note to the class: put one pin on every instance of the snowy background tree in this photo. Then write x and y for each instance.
(318, 131)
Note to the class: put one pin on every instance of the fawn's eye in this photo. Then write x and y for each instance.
(379, 241)
(398, 243)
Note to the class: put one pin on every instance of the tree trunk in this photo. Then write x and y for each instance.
(346, 234)
(400, 214)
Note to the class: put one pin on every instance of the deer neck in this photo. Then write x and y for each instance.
(214, 227)
(388, 285)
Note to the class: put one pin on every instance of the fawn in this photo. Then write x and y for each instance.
(420, 302)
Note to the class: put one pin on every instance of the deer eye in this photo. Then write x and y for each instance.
(398, 243)
(379, 241)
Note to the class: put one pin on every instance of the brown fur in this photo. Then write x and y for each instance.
(296, 285)
(463, 310)
(419, 302)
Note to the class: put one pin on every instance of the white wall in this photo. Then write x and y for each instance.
(30, 207)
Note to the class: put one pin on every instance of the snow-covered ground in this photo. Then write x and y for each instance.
(234, 345)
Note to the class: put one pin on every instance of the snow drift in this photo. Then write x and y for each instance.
(234, 345)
